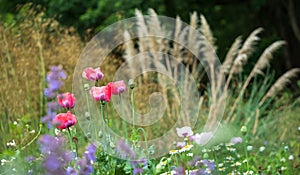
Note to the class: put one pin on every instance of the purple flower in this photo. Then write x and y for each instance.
(199, 172)
(139, 165)
(90, 153)
(179, 171)
(48, 118)
(55, 157)
(180, 144)
(236, 140)
(30, 159)
(55, 73)
(209, 164)
(185, 131)
(71, 171)
(55, 85)
(85, 163)
(204, 167)
(203, 138)
(54, 81)
(85, 167)
(53, 106)
(142, 162)
(195, 161)
(51, 163)
(49, 93)
(138, 170)
(125, 150)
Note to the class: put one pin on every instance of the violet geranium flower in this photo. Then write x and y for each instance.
(53, 79)
(55, 157)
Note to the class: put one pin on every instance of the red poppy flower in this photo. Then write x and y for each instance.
(64, 120)
(102, 93)
(92, 74)
(117, 87)
(66, 100)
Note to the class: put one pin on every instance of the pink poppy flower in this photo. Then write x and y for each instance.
(64, 120)
(92, 74)
(102, 93)
(185, 131)
(66, 100)
(117, 87)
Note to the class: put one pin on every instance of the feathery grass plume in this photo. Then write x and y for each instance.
(143, 41)
(246, 50)
(243, 54)
(262, 62)
(231, 54)
(154, 24)
(130, 51)
(280, 83)
(192, 37)
(142, 27)
(206, 31)
(176, 48)
(267, 55)
(210, 49)
(156, 32)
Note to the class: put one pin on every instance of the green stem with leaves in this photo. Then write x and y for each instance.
(132, 105)
(102, 104)
(71, 141)
(122, 113)
(246, 152)
(145, 138)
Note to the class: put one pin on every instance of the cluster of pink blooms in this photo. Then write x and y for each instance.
(65, 120)
(103, 93)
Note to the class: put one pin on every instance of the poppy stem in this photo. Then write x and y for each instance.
(102, 104)
(71, 141)
(106, 115)
(145, 139)
(132, 105)
(122, 113)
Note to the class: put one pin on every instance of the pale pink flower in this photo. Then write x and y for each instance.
(203, 138)
(117, 87)
(185, 131)
(92, 74)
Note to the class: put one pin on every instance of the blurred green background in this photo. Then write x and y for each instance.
(228, 18)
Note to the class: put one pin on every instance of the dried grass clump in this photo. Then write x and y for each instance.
(28, 48)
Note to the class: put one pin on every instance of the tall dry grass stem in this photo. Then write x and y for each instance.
(280, 83)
